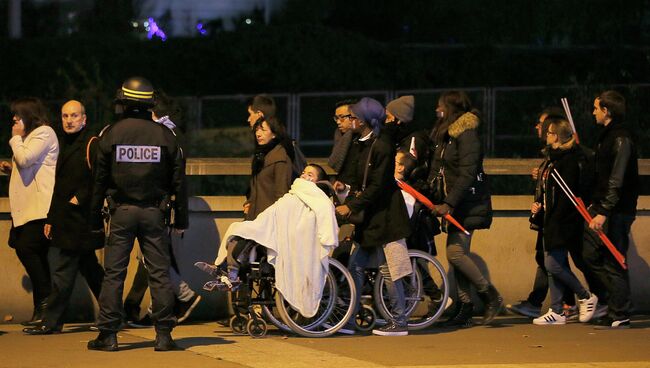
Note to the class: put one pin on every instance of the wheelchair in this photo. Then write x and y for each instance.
(257, 301)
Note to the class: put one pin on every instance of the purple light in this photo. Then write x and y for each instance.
(199, 27)
(154, 30)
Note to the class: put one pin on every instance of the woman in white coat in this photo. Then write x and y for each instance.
(35, 150)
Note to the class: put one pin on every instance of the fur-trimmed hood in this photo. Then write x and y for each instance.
(465, 122)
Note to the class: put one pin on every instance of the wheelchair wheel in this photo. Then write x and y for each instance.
(335, 310)
(256, 327)
(366, 318)
(426, 291)
(238, 324)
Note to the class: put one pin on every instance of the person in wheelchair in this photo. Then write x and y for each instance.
(297, 232)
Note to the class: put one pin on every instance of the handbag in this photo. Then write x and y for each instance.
(437, 185)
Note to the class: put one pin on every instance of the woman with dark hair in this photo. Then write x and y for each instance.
(459, 186)
(35, 151)
(271, 167)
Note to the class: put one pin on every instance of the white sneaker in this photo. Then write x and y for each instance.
(550, 318)
(588, 308)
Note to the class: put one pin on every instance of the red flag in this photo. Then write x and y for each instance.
(425, 201)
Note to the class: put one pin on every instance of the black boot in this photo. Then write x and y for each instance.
(493, 303)
(37, 317)
(462, 317)
(105, 341)
(42, 330)
(164, 342)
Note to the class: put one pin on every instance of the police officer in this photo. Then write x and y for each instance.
(139, 166)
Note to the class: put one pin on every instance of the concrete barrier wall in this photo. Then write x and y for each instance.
(507, 250)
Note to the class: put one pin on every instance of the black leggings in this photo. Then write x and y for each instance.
(31, 248)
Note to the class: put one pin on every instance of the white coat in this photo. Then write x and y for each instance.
(32, 177)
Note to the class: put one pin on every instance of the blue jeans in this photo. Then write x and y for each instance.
(359, 262)
(561, 278)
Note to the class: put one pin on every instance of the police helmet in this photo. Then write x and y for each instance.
(138, 90)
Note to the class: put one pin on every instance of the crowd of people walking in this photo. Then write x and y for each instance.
(58, 187)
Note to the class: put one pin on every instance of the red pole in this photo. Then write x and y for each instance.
(425, 201)
(580, 206)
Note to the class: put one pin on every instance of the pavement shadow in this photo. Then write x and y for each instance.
(183, 343)
(189, 342)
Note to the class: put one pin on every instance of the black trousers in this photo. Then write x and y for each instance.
(31, 248)
(605, 267)
(64, 265)
(147, 224)
(139, 287)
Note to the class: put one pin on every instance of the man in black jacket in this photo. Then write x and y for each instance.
(138, 167)
(73, 249)
(614, 205)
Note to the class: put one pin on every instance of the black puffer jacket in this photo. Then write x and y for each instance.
(459, 158)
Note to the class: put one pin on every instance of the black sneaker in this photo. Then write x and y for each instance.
(392, 329)
(607, 323)
(184, 309)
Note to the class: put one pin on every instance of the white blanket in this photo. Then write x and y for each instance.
(299, 231)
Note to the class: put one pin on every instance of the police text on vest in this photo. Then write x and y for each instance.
(125, 153)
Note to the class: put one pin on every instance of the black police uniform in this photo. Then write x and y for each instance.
(139, 165)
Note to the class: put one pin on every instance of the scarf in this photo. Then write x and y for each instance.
(260, 154)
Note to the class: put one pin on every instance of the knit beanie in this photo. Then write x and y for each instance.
(370, 111)
(402, 108)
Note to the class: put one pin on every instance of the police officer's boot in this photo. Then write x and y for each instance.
(164, 342)
(493, 303)
(105, 341)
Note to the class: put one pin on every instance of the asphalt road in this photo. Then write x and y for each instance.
(511, 342)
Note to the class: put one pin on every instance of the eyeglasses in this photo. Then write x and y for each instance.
(341, 117)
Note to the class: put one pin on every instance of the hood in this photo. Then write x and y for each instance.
(464, 123)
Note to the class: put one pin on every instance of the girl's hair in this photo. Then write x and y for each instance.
(408, 160)
(456, 103)
(32, 111)
(563, 130)
(322, 175)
